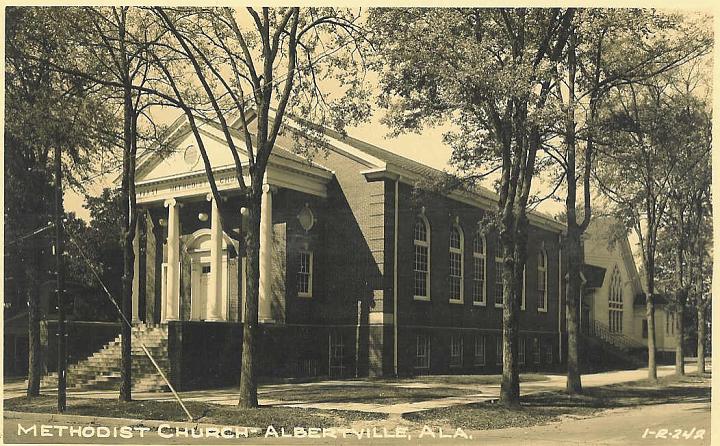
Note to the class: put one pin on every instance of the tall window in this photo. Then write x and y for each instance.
(498, 274)
(304, 275)
(498, 350)
(548, 350)
(536, 350)
(457, 243)
(422, 352)
(521, 350)
(478, 269)
(337, 354)
(480, 350)
(542, 281)
(615, 302)
(421, 264)
(670, 323)
(456, 350)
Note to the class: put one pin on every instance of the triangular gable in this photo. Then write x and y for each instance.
(184, 157)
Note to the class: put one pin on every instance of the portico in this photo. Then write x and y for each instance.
(191, 270)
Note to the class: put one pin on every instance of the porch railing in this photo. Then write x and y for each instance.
(619, 340)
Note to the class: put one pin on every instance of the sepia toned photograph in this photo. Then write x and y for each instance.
(357, 225)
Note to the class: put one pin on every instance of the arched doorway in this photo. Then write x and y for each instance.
(200, 271)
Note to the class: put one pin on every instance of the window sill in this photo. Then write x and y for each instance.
(456, 301)
(498, 305)
(304, 296)
(422, 298)
(542, 310)
(479, 304)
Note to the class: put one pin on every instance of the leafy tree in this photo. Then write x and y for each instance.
(282, 59)
(596, 62)
(655, 135)
(488, 72)
(44, 111)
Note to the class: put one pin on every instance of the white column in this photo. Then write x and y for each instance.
(136, 275)
(266, 236)
(214, 296)
(171, 305)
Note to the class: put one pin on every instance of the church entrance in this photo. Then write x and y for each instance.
(199, 250)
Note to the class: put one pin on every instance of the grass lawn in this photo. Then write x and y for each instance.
(287, 417)
(470, 379)
(547, 407)
(373, 393)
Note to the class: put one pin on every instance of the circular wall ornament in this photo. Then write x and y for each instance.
(306, 218)
(191, 155)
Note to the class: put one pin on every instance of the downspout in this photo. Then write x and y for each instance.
(560, 287)
(395, 280)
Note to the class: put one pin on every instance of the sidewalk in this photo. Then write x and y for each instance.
(476, 393)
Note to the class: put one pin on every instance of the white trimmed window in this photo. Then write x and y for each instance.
(615, 302)
(542, 281)
(479, 269)
(305, 273)
(457, 242)
(521, 350)
(422, 352)
(498, 350)
(456, 351)
(421, 262)
(480, 350)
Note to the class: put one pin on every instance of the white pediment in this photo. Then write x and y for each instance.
(184, 156)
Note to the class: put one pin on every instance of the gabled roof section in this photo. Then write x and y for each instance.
(153, 164)
(383, 163)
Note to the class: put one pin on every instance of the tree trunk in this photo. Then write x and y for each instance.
(680, 339)
(512, 276)
(574, 255)
(701, 339)
(127, 246)
(35, 357)
(650, 314)
(248, 380)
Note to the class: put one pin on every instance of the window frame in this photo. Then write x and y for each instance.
(480, 257)
(498, 285)
(336, 343)
(311, 261)
(428, 345)
(461, 252)
(424, 244)
(521, 350)
(498, 350)
(459, 363)
(542, 270)
(483, 343)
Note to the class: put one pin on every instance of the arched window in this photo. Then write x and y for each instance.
(615, 302)
(542, 281)
(457, 248)
(421, 263)
(479, 268)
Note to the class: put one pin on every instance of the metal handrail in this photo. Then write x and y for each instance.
(619, 340)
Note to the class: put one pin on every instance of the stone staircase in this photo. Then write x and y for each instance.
(102, 369)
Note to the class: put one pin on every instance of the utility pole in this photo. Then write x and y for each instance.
(60, 285)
